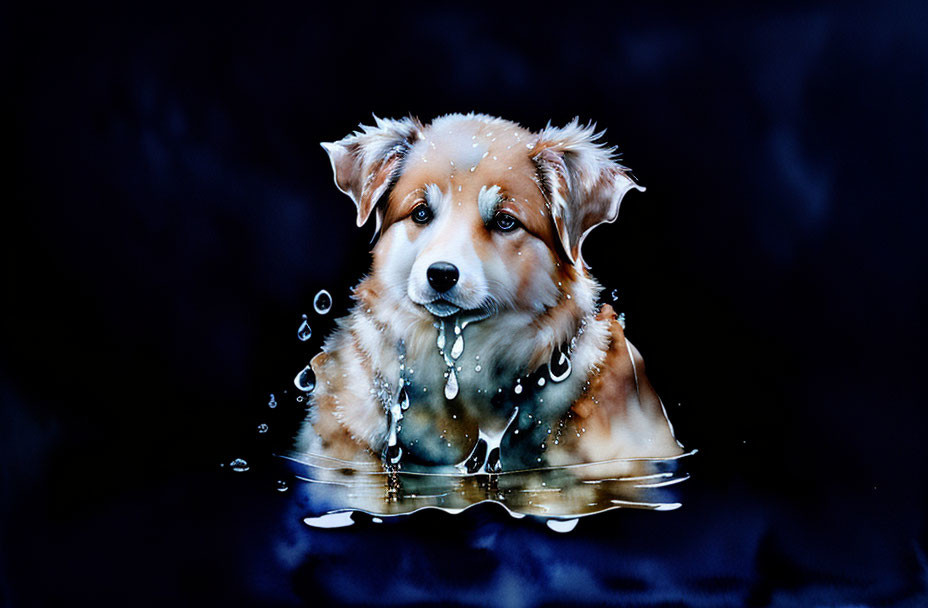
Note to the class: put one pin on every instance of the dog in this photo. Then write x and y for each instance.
(475, 342)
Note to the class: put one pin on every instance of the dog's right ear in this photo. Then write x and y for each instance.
(366, 162)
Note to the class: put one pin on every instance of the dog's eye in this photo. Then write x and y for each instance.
(505, 222)
(422, 214)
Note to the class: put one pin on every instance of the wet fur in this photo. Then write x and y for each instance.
(559, 183)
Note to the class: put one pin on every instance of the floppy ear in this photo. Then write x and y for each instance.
(582, 181)
(366, 162)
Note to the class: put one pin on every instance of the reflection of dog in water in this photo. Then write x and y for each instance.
(476, 339)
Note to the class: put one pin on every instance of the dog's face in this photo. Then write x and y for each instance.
(466, 227)
(478, 215)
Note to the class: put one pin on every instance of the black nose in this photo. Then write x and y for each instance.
(442, 276)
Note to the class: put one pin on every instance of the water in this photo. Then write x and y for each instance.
(451, 386)
(322, 303)
(562, 525)
(239, 465)
(559, 367)
(330, 520)
(558, 494)
(304, 332)
(305, 380)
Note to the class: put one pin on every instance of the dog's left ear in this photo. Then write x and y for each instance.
(582, 181)
(366, 162)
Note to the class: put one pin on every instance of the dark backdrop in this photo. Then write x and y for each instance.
(168, 216)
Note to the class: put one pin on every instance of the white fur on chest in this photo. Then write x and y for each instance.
(494, 356)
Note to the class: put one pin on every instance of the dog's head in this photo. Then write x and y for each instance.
(476, 214)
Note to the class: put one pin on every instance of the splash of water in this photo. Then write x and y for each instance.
(486, 457)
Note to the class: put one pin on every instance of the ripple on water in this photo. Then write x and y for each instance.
(561, 495)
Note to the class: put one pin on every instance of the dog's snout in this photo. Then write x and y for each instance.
(442, 276)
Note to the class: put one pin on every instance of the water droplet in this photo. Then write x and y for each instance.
(458, 347)
(262, 428)
(477, 368)
(562, 525)
(392, 454)
(322, 302)
(282, 485)
(305, 332)
(614, 295)
(622, 319)
(559, 366)
(518, 389)
(451, 387)
(272, 403)
(305, 380)
(440, 341)
(239, 465)
(541, 382)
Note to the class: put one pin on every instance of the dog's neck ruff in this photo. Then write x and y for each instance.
(450, 343)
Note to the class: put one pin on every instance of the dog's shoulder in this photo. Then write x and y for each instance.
(619, 414)
(346, 417)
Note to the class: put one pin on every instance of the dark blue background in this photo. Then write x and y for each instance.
(169, 214)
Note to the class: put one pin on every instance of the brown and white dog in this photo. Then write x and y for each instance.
(476, 340)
